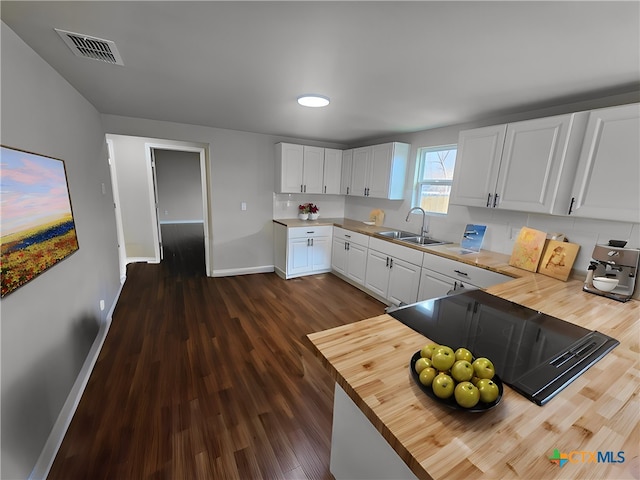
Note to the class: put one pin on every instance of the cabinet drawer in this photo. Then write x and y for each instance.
(461, 271)
(351, 237)
(310, 232)
(407, 254)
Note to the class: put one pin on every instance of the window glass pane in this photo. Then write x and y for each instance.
(434, 176)
(438, 164)
(435, 198)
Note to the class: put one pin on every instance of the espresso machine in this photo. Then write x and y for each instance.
(613, 269)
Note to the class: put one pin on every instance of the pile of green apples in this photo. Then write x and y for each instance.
(457, 374)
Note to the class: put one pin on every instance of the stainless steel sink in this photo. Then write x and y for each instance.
(418, 240)
(396, 234)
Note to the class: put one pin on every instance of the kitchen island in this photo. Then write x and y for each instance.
(595, 418)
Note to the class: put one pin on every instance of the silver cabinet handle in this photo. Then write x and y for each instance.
(573, 200)
(387, 262)
(495, 200)
(347, 190)
(488, 200)
(325, 189)
(301, 188)
(312, 242)
(461, 273)
(391, 263)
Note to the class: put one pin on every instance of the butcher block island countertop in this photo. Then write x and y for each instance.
(598, 412)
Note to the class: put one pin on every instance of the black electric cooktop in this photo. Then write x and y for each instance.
(534, 353)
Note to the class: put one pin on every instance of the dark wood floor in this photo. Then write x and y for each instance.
(210, 378)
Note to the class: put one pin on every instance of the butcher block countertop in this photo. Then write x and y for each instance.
(598, 412)
(494, 261)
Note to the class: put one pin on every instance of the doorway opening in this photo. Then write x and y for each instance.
(180, 211)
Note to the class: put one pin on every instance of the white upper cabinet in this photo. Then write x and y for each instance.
(347, 165)
(332, 171)
(379, 171)
(289, 167)
(300, 169)
(477, 166)
(526, 166)
(313, 170)
(607, 182)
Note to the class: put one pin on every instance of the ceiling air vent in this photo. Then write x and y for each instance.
(91, 47)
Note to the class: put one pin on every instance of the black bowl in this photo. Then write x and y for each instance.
(451, 402)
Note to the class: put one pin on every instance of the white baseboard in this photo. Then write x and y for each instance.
(56, 436)
(175, 222)
(229, 272)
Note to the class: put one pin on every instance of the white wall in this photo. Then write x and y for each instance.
(502, 226)
(49, 324)
(242, 167)
(179, 186)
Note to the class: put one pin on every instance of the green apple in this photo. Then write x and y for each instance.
(428, 349)
(443, 359)
(483, 368)
(488, 390)
(421, 364)
(445, 348)
(427, 375)
(466, 394)
(462, 371)
(443, 385)
(464, 354)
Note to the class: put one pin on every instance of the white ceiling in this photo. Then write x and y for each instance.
(389, 67)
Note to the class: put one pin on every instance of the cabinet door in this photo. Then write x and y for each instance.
(404, 280)
(357, 263)
(433, 285)
(477, 166)
(347, 165)
(313, 170)
(534, 152)
(332, 171)
(290, 167)
(377, 278)
(339, 256)
(300, 257)
(321, 253)
(606, 184)
(360, 171)
(380, 170)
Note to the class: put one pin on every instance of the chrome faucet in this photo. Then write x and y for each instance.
(424, 231)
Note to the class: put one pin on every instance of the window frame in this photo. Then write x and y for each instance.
(419, 180)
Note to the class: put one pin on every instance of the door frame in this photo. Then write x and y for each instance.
(204, 182)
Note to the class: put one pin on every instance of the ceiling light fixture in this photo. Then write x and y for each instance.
(313, 100)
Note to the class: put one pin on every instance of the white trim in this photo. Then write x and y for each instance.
(205, 177)
(169, 222)
(59, 430)
(230, 272)
(122, 254)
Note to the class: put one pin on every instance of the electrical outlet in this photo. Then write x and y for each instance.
(243, 206)
(101, 305)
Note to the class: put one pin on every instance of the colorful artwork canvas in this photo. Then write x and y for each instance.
(558, 259)
(528, 248)
(37, 229)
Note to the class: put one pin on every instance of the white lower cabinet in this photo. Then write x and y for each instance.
(302, 250)
(393, 271)
(441, 275)
(349, 254)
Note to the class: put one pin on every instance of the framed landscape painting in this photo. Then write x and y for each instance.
(37, 229)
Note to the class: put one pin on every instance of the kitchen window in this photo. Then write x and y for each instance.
(434, 175)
